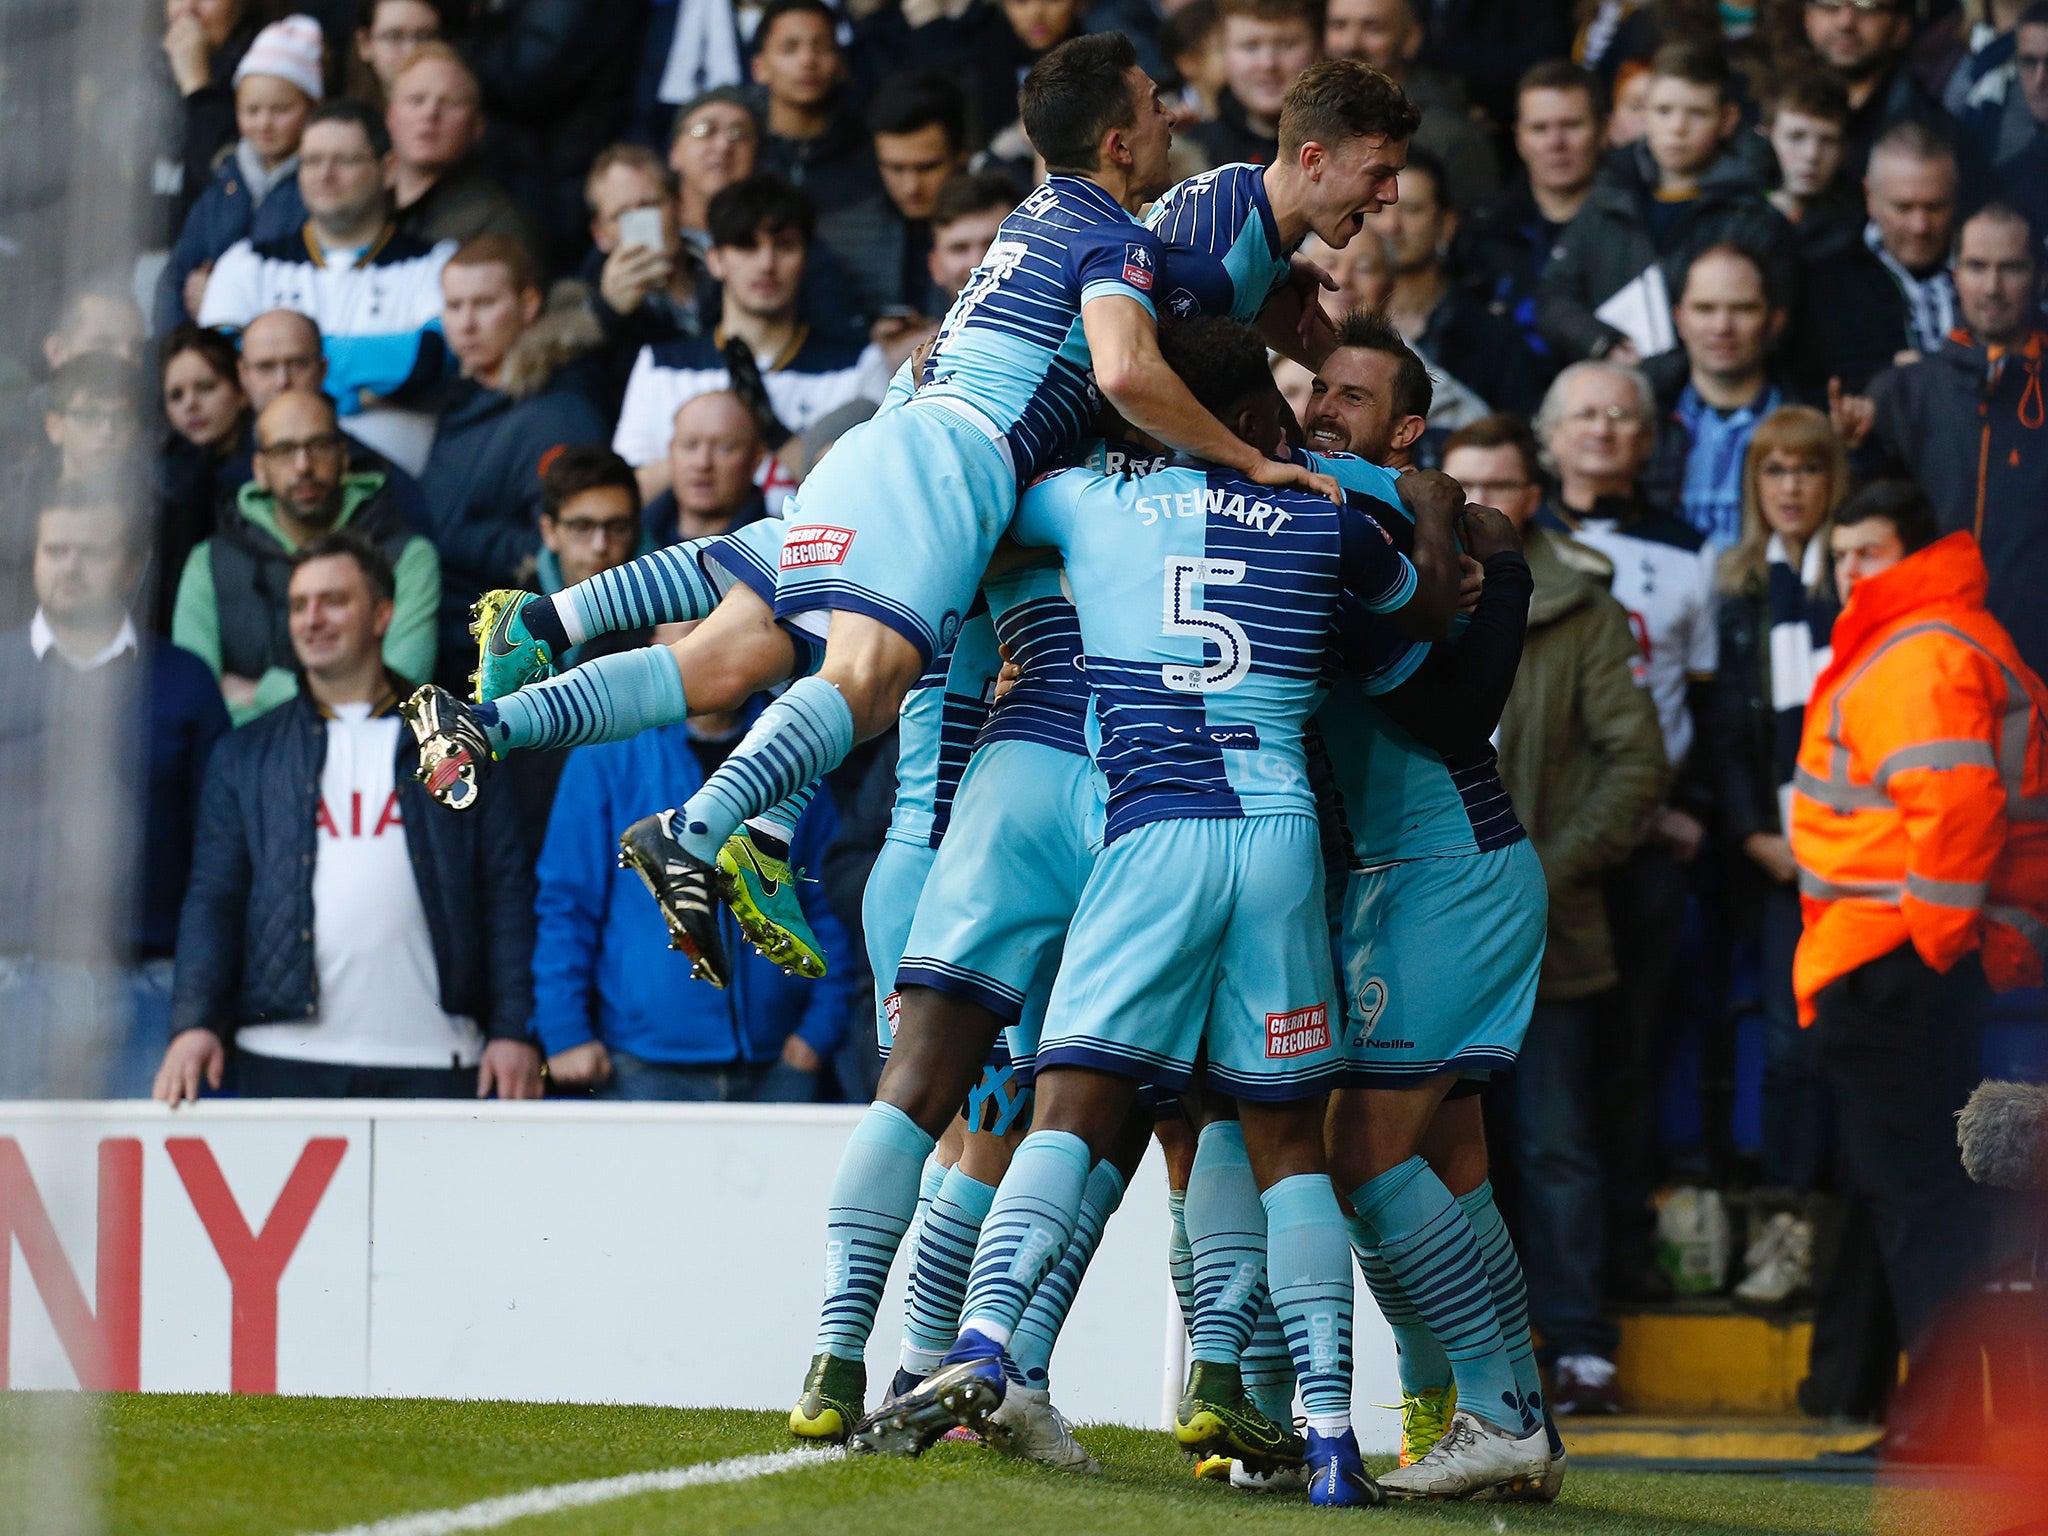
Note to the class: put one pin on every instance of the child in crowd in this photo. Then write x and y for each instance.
(254, 194)
(1806, 119)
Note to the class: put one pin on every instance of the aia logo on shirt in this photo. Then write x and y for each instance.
(810, 544)
(1138, 267)
(360, 824)
(1297, 1033)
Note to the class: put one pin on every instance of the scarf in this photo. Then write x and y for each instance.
(1711, 497)
(704, 52)
(1801, 624)
(1930, 301)
(262, 183)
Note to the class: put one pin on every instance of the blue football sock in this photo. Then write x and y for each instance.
(1180, 1258)
(928, 1184)
(778, 822)
(1421, 1360)
(1227, 1233)
(938, 1278)
(1309, 1266)
(665, 587)
(1428, 1246)
(795, 741)
(1268, 1368)
(874, 1196)
(1039, 1329)
(1027, 1229)
(608, 698)
(1510, 1294)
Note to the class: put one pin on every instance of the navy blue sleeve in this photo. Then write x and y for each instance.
(1370, 567)
(1115, 259)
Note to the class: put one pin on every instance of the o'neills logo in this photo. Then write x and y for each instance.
(1299, 1032)
(814, 544)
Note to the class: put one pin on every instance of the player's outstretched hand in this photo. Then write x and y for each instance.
(1484, 532)
(1280, 475)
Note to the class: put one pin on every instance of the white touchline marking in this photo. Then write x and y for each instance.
(488, 1514)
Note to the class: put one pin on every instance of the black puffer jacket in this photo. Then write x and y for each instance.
(1610, 244)
(245, 937)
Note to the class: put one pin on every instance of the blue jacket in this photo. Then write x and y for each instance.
(482, 487)
(224, 214)
(245, 937)
(601, 963)
(167, 711)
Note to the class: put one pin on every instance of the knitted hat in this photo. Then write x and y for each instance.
(287, 50)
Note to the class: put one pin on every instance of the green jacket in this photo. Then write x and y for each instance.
(254, 546)
(1580, 753)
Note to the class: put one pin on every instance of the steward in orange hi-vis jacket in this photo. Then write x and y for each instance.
(1920, 806)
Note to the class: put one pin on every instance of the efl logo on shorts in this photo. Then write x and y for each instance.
(1297, 1033)
(1138, 266)
(815, 544)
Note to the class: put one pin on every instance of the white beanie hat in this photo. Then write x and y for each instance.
(287, 50)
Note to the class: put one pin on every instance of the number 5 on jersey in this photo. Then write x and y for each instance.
(1234, 646)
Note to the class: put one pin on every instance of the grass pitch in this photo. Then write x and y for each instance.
(248, 1466)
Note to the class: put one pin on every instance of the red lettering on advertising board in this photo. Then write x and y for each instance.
(254, 1261)
(103, 1338)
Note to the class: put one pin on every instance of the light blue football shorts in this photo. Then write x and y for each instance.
(887, 907)
(1441, 958)
(897, 522)
(992, 923)
(1202, 933)
(747, 557)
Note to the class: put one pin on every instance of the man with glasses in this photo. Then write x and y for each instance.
(2018, 141)
(374, 293)
(518, 402)
(231, 610)
(1598, 423)
(1863, 44)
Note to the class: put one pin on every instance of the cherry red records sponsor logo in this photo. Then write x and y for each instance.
(892, 1009)
(1297, 1033)
(809, 544)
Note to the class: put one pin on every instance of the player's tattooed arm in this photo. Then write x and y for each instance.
(1435, 500)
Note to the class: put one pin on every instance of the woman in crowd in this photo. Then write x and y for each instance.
(1776, 609)
(203, 42)
(209, 417)
(388, 32)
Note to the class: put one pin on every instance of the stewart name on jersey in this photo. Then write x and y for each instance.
(1011, 354)
(1205, 603)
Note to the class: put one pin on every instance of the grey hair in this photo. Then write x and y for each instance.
(1551, 412)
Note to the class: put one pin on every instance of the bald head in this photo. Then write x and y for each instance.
(300, 458)
(712, 457)
(280, 351)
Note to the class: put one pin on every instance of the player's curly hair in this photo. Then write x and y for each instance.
(1338, 99)
(1222, 362)
(1076, 94)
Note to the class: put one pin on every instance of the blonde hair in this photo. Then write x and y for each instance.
(438, 51)
(1798, 431)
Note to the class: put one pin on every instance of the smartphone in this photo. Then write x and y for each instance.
(642, 227)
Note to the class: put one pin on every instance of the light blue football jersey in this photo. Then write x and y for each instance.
(1011, 352)
(1223, 254)
(1205, 603)
(935, 731)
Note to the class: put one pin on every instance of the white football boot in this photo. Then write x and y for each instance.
(1027, 1426)
(1473, 1457)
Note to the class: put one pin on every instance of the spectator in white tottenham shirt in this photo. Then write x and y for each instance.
(346, 935)
(761, 231)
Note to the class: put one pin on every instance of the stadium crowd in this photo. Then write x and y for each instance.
(449, 297)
